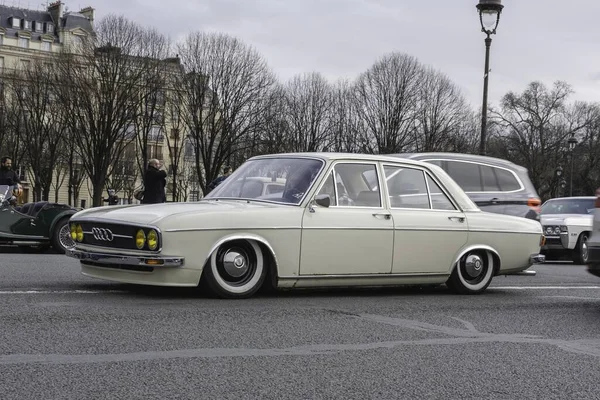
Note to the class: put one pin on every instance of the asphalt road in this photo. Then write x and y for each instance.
(65, 336)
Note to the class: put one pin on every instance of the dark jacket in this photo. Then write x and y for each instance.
(8, 177)
(216, 183)
(155, 181)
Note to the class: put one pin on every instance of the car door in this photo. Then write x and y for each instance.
(429, 228)
(355, 234)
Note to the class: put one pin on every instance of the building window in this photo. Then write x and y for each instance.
(49, 27)
(1, 64)
(39, 27)
(16, 23)
(24, 43)
(46, 46)
(26, 24)
(25, 64)
(1, 40)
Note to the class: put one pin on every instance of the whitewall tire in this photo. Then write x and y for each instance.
(473, 273)
(236, 269)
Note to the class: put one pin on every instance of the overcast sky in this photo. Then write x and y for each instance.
(544, 40)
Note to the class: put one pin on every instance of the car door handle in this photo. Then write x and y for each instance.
(457, 219)
(382, 215)
(494, 200)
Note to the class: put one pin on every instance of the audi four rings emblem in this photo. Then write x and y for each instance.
(103, 234)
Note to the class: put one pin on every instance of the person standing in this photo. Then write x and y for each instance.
(155, 181)
(8, 176)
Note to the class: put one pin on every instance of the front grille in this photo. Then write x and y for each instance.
(101, 233)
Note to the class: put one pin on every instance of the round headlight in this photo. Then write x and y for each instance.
(73, 231)
(140, 239)
(557, 230)
(152, 239)
(79, 233)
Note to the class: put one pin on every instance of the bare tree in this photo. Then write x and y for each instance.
(441, 112)
(386, 96)
(33, 91)
(535, 127)
(226, 83)
(308, 100)
(345, 135)
(102, 85)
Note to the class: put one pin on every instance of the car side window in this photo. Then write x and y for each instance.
(353, 188)
(467, 175)
(439, 200)
(329, 189)
(490, 183)
(406, 187)
(506, 180)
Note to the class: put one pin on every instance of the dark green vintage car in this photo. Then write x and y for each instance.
(34, 227)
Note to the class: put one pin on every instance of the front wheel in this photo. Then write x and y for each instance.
(61, 236)
(580, 253)
(473, 273)
(235, 270)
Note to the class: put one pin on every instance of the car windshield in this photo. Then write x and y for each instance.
(568, 206)
(280, 180)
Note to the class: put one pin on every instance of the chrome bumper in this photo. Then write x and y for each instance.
(121, 259)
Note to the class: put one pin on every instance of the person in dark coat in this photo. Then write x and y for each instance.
(155, 181)
(227, 170)
(8, 176)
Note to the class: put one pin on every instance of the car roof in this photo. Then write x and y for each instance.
(327, 156)
(574, 198)
(461, 156)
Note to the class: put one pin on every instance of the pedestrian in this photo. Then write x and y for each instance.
(227, 170)
(113, 199)
(9, 177)
(155, 181)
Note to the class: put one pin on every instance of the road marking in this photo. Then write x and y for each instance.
(59, 291)
(542, 287)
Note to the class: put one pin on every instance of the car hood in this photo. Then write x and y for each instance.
(151, 213)
(558, 219)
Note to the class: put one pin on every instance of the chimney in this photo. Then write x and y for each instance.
(56, 10)
(88, 12)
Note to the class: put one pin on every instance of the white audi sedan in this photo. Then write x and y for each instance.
(331, 225)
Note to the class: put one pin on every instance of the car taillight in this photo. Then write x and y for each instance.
(597, 203)
(534, 203)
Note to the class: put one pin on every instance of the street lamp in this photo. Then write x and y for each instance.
(489, 16)
(572, 143)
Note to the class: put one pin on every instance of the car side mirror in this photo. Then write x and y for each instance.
(324, 200)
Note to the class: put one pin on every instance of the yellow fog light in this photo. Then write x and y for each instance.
(79, 233)
(140, 239)
(73, 231)
(152, 240)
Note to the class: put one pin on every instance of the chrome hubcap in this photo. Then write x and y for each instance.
(235, 264)
(473, 265)
(584, 250)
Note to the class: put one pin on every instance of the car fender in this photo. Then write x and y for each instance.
(59, 217)
(576, 226)
(238, 236)
(465, 250)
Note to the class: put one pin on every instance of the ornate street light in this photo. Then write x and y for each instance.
(558, 172)
(572, 143)
(489, 16)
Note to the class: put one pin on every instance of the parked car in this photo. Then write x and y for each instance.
(494, 184)
(34, 227)
(567, 225)
(593, 243)
(417, 227)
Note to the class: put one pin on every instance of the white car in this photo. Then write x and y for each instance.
(567, 224)
(330, 226)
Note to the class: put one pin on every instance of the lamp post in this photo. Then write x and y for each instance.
(572, 143)
(489, 16)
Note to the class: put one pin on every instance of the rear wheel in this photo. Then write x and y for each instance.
(61, 236)
(235, 270)
(580, 253)
(473, 273)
